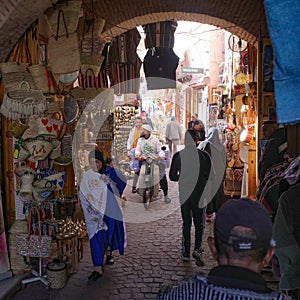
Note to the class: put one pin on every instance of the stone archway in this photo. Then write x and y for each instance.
(243, 18)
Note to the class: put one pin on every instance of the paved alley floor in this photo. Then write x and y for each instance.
(152, 258)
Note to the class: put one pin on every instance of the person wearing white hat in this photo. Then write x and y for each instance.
(150, 146)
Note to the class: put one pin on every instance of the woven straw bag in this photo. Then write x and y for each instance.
(91, 44)
(49, 126)
(71, 10)
(33, 245)
(66, 151)
(42, 78)
(64, 56)
(42, 189)
(30, 132)
(18, 128)
(56, 151)
(13, 73)
(56, 274)
(22, 103)
(39, 148)
(54, 103)
(57, 179)
(20, 152)
(18, 226)
(84, 96)
(26, 187)
(23, 169)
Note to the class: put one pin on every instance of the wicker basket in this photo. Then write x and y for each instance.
(23, 102)
(18, 128)
(13, 73)
(57, 274)
(42, 79)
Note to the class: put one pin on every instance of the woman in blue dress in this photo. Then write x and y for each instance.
(100, 190)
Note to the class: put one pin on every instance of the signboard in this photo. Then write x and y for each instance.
(191, 70)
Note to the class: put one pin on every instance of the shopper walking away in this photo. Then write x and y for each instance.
(173, 135)
(214, 190)
(191, 168)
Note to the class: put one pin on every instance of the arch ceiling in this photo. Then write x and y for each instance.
(244, 18)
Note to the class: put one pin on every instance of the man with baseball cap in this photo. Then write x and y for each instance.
(150, 146)
(242, 245)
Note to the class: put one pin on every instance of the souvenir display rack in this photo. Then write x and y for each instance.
(124, 121)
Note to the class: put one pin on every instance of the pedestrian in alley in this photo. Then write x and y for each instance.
(173, 135)
(100, 187)
(149, 146)
(193, 119)
(133, 138)
(191, 168)
(146, 119)
(214, 190)
(242, 245)
(199, 129)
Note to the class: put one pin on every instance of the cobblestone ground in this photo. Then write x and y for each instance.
(152, 258)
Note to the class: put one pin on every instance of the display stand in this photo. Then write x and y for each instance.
(38, 276)
(67, 251)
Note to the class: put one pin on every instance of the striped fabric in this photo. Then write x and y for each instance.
(160, 34)
(125, 78)
(198, 288)
(123, 47)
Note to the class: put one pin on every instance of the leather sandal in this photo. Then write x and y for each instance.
(95, 276)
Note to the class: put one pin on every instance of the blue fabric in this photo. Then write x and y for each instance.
(113, 217)
(98, 245)
(282, 16)
(134, 165)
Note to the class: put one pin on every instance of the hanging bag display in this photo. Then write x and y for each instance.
(42, 78)
(20, 152)
(18, 128)
(13, 73)
(42, 189)
(91, 44)
(57, 179)
(49, 126)
(39, 148)
(71, 10)
(84, 96)
(23, 102)
(33, 245)
(64, 56)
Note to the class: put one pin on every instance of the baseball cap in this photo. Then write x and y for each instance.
(247, 213)
(147, 127)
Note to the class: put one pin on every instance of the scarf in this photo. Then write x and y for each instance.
(93, 197)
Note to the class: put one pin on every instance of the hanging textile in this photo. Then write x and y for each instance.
(282, 18)
(160, 68)
(125, 78)
(89, 79)
(160, 34)
(124, 65)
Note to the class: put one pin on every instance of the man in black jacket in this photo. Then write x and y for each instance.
(191, 168)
